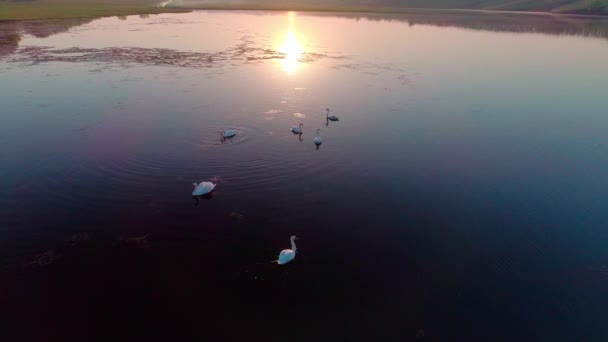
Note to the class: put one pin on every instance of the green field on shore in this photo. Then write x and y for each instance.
(60, 9)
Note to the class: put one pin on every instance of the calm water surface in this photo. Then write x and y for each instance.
(461, 196)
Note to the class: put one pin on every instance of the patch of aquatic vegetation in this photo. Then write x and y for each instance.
(141, 241)
(43, 259)
(273, 111)
(371, 68)
(243, 53)
(78, 239)
(405, 78)
(236, 216)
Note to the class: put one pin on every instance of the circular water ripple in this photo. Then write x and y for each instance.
(210, 138)
(116, 182)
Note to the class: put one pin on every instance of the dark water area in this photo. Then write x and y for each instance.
(461, 196)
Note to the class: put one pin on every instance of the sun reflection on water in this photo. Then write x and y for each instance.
(291, 47)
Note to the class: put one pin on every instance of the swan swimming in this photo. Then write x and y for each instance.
(203, 188)
(229, 133)
(287, 255)
(331, 118)
(318, 141)
(297, 129)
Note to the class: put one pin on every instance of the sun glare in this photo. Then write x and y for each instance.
(291, 47)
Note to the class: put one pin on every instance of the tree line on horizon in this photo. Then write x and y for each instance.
(558, 6)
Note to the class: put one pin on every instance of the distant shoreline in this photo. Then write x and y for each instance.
(389, 10)
(55, 12)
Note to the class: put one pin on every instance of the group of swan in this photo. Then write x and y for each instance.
(230, 133)
(204, 188)
(318, 140)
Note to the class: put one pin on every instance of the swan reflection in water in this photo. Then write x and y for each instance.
(205, 197)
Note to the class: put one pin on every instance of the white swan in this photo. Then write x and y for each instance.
(229, 133)
(203, 188)
(318, 141)
(297, 129)
(331, 118)
(287, 255)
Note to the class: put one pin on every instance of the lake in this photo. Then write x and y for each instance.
(462, 195)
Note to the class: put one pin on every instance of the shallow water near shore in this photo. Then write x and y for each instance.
(461, 196)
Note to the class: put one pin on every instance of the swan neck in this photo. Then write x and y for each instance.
(293, 245)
